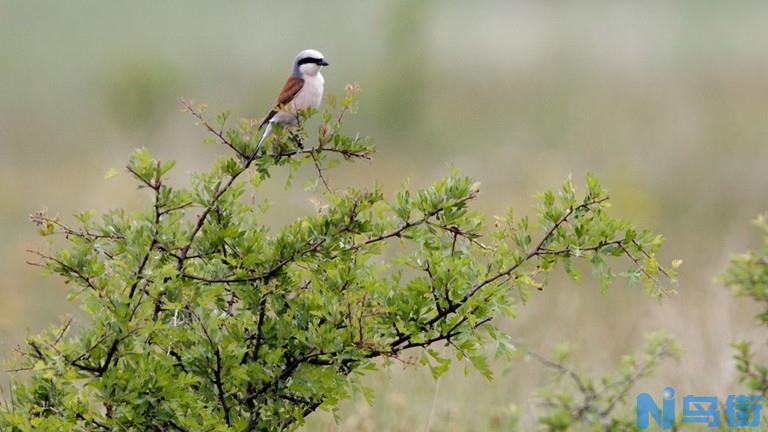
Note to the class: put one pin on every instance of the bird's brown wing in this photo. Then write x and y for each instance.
(289, 91)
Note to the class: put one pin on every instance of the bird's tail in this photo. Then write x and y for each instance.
(264, 135)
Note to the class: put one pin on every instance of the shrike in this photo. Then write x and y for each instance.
(304, 89)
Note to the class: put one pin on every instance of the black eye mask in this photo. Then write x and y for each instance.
(312, 60)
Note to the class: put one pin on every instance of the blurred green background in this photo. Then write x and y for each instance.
(667, 102)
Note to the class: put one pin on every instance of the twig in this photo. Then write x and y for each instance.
(218, 133)
(320, 171)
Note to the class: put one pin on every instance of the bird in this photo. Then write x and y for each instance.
(303, 89)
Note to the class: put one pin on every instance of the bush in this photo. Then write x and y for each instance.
(747, 276)
(575, 401)
(201, 318)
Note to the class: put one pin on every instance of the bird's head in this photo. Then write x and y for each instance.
(309, 62)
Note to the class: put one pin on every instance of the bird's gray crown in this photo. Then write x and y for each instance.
(309, 53)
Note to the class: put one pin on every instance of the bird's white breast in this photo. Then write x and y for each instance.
(311, 94)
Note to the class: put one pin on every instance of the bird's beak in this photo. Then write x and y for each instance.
(323, 63)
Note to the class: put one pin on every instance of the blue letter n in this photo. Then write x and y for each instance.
(647, 408)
